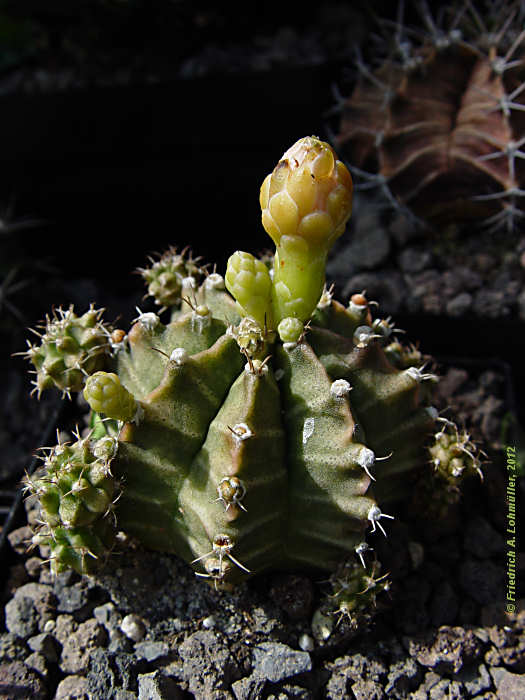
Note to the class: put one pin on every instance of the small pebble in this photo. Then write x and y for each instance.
(133, 627)
(208, 622)
(306, 642)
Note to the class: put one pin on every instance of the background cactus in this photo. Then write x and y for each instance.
(266, 430)
(436, 119)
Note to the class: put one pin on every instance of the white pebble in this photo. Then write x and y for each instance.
(133, 627)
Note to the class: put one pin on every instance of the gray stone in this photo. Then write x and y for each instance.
(403, 677)
(46, 645)
(20, 682)
(21, 617)
(208, 666)
(387, 287)
(65, 625)
(490, 303)
(20, 539)
(12, 648)
(250, 688)
(107, 615)
(109, 671)
(414, 259)
(459, 305)
(72, 597)
(367, 690)
(369, 248)
(29, 609)
(446, 689)
(78, 646)
(508, 685)
(276, 661)
(38, 663)
(156, 686)
(446, 652)
(72, 688)
(151, 651)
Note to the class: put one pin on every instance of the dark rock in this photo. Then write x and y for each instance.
(38, 663)
(481, 539)
(20, 539)
(250, 688)
(19, 682)
(483, 580)
(111, 671)
(444, 605)
(446, 689)
(446, 652)
(369, 248)
(367, 690)
(294, 594)
(207, 663)
(475, 679)
(277, 662)
(26, 613)
(73, 596)
(78, 647)
(21, 617)
(403, 676)
(459, 305)
(33, 566)
(388, 288)
(46, 645)
(414, 259)
(12, 647)
(490, 303)
(107, 615)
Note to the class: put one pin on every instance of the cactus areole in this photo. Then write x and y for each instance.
(263, 426)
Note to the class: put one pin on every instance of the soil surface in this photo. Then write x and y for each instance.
(476, 274)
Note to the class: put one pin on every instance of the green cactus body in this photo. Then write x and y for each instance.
(77, 493)
(251, 433)
(72, 347)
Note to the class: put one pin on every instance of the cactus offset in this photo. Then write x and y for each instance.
(264, 430)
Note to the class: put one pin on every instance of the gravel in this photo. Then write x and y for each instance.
(440, 274)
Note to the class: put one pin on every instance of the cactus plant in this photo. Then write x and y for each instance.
(263, 429)
(437, 121)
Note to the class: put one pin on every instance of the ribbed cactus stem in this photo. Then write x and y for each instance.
(298, 278)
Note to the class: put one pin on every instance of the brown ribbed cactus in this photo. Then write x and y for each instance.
(438, 120)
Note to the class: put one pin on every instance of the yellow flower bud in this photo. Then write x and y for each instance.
(309, 194)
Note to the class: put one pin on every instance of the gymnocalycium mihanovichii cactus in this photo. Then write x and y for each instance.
(263, 426)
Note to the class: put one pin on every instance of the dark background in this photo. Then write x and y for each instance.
(172, 115)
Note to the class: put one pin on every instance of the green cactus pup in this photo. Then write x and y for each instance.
(263, 426)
